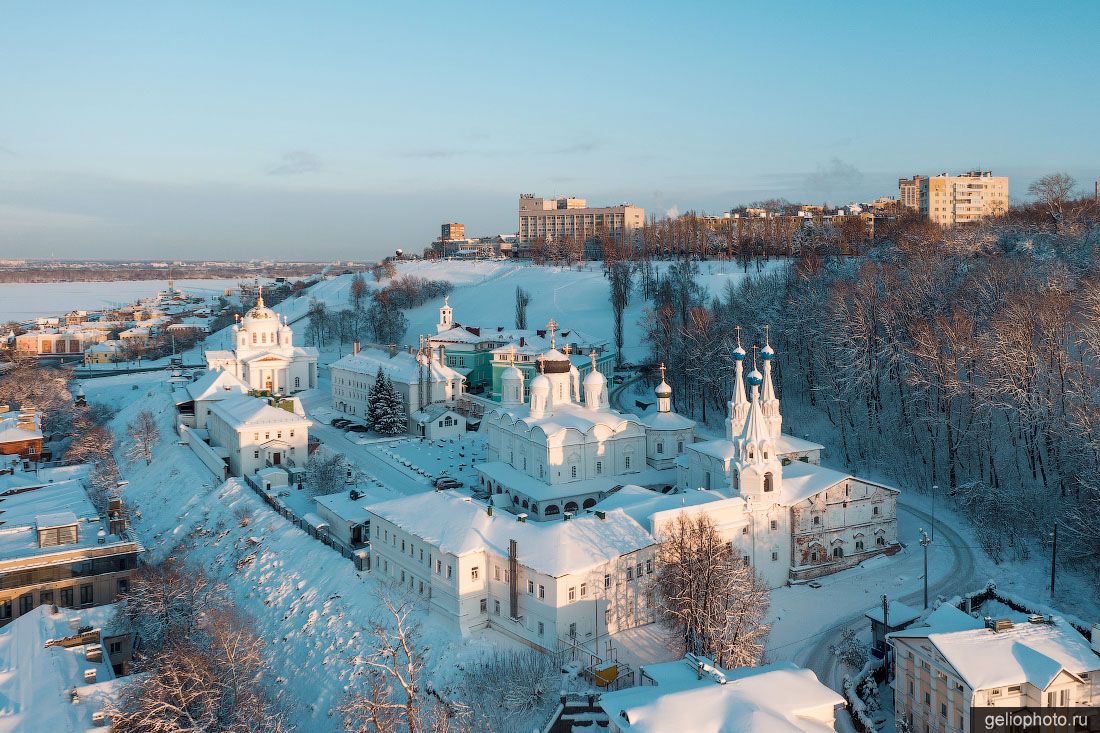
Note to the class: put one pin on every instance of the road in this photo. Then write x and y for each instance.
(958, 578)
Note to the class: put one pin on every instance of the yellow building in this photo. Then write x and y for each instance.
(567, 218)
(963, 199)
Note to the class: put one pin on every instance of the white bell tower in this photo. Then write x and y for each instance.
(446, 316)
(759, 471)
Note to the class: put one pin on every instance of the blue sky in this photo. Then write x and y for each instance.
(345, 130)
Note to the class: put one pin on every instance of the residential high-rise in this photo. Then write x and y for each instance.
(452, 231)
(909, 192)
(568, 217)
(963, 199)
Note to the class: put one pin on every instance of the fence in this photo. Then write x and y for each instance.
(360, 557)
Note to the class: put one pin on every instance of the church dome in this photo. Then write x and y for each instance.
(260, 312)
(540, 385)
(767, 353)
(755, 377)
(511, 374)
(739, 354)
(663, 389)
(594, 379)
(554, 362)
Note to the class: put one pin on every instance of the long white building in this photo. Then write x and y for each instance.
(253, 434)
(537, 581)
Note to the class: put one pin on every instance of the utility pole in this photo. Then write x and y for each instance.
(885, 631)
(1053, 558)
(925, 541)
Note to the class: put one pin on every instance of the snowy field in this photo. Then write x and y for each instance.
(27, 301)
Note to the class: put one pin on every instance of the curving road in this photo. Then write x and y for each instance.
(958, 578)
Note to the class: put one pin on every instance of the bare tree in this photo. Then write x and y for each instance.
(165, 601)
(1053, 192)
(326, 473)
(522, 299)
(144, 434)
(358, 291)
(714, 603)
(621, 283)
(534, 682)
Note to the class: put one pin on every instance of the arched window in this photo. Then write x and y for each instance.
(524, 503)
(859, 544)
(571, 506)
(297, 382)
(588, 503)
(768, 482)
(838, 552)
(515, 500)
(551, 510)
(881, 542)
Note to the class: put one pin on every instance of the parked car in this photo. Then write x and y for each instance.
(446, 482)
(358, 429)
(338, 422)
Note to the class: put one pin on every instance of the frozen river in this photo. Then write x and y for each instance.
(26, 301)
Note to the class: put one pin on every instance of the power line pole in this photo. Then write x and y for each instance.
(1053, 558)
(934, 487)
(925, 541)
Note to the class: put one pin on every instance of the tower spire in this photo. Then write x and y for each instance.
(738, 407)
(769, 401)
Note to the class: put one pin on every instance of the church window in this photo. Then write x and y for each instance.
(838, 552)
(859, 544)
(813, 556)
(297, 382)
(572, 471)
(680, 447)
(660, 448)
(881, 542)
(768, 486)
(775, 556)
(774, 525)
(875, 511)
(606, 580)
(817, 520)
(626, 462)
(599, 467)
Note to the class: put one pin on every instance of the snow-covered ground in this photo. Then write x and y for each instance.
(27, 301)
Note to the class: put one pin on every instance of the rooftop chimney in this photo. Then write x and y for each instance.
(522, 517)
(355, 347)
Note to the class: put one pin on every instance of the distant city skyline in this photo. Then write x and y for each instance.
(347, 130)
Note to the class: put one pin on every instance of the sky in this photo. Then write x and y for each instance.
(345, 130)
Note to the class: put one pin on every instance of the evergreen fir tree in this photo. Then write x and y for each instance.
(391, 418)
(375, 398)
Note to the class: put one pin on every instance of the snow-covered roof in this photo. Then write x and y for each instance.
(351, 510)
(241, 411)
(641, 503)
(432, 412)
(803, 480)
(24, 512)
(216, 384)
(1027, 652)
(667, 421)
(777, 698)
(459, 526)
(567, 416)
(402, 367)
(900, 614)
(11, 432)
(36, 680)
(784, 445)
(539, 490)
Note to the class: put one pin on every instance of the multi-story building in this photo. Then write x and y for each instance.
(251, 434)
(909, 192)
(20, 435)
(573, 580)
(452, 231)
(569, 218)
(963, 199)
(56, 549)
(427, 387)
(952, 662)
(52, 342)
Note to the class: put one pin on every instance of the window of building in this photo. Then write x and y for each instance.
(859, 544)
(774, 525)
(542, 628)
(45, 598)
(449, 569)
(584, 589)
(630, 573)
(599, 467)
(496, 608)
(572, 594)
(123, 586)
(775, 556)
(496, 572)
(572, 630)
(87, 595)
(817, 520)
(660, 448)
(838, 552)
(484, 605)
(530, 587)
(542, 592)
(115, 648)
(875, 511)
(474, 573)
(66, 595)
(402, 576)
(648, 567)
(768, 481)
(421, 584)
(680, 446)
(256, 454)
(607, 580)
(572, 471)
(626, 462)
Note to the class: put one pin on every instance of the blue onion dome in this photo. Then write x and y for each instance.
(755, 378)
(739, 354)
(766, 353)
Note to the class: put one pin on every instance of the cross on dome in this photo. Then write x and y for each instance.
(737, 330)
(260, 297)
(662, 371)
(766, 343)
(552, 326)
(567, 349)
(512, 354)
(592, 356)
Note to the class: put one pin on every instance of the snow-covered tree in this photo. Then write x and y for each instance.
(375, 398)
(144, 434)
(391, 418)
(326, 472)
(166, 600)
(713, 603)
(522, 299)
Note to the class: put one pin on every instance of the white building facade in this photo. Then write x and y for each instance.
(256, 435)
(264, 355)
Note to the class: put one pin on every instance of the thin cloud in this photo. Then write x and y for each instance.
(295, 163)
(836, 176)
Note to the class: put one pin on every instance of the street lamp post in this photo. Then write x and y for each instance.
(934, 488)
(925, 541)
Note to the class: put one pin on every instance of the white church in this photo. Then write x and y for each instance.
(566, 448)
(264, 355)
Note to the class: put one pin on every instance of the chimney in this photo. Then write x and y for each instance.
(442, 354)
(489, 510)
(355, 347)
(566, 516)
(89, 676)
